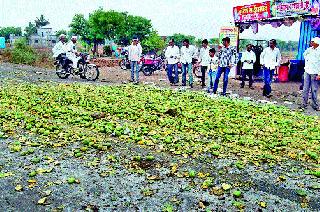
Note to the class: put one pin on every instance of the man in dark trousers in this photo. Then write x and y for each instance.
(204, 60)
(248, 58)
(270, 60)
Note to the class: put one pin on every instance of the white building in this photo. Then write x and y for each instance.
(44, 37)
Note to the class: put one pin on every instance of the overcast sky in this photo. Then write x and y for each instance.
(201, 18)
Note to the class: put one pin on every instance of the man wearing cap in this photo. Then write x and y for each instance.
(60, 47)
(72, 52)
(270, 60)
(134, 54)
(312, 74)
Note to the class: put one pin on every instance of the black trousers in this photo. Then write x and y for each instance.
(248, 72)
(203, 75)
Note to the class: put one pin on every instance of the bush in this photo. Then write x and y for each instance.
(22, 53)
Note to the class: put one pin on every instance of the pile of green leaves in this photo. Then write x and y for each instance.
(187, 123)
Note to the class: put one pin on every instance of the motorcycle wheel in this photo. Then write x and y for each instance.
(122, 64)
(92, 72)
(147, 71)
(61, 72)
(82, 71)
(197, 72)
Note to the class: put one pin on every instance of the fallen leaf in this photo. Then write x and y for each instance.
(47, 192)
(217, 191)
(281, 179)
(8, 174)
(153, 177)
(201, 205)
(18, 188)
(263, 204)
(226, 186)
(32, 183)
(42, 201)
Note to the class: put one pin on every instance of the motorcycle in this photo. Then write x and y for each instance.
(85, 69)
(124, 63)
(152, 64)
(196, 68)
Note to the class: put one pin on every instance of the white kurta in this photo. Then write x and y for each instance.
(71, 54)
(59, 48)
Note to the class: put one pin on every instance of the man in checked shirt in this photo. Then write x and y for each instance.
(228, 58)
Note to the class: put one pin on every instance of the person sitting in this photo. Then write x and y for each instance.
(72, 53)
(60, 48)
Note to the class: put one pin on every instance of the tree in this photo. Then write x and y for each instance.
(7, 31)
(61, 31)
(178, 39)
(40, 22)
(243, 44)
(106, 24)
(214, 41)
(110, 25)
(79, 26)
(282, 45)
(30, 30)
(153, 42)
(137, 26)
(198, 42)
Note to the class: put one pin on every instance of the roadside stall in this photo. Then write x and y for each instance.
(278, 13)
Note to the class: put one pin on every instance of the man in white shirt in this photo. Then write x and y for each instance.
(204, 59)
(134, 54)
(188, 52)
(270, 59)
(312, 74)
(60, 47)
(172, 56)
(72, 53)
(248, 58)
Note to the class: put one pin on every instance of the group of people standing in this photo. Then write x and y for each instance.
(211, 63)
(214, 64)
(217, 63)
